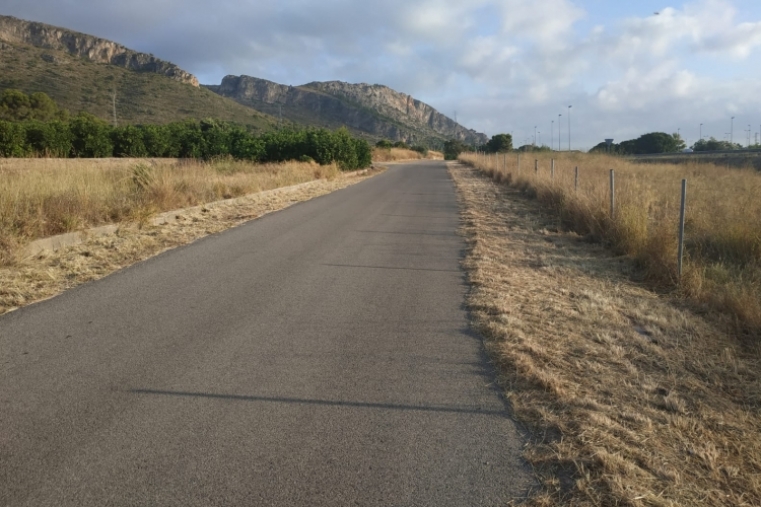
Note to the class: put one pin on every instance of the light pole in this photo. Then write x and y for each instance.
(732, 131)
(749, 129)
(540, 138)
(559, 131)
(552, 134)
(534, 135)
(569, 128)
(701, 131)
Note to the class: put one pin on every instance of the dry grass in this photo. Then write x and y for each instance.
(723, 225)
(45, 197)
(27, 280)
(399, 154)
(631, 397)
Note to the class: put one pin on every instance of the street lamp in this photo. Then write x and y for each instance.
(569, 128)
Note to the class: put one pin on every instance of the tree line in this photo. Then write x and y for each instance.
(35, 127)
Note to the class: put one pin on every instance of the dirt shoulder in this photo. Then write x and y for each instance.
(633, 398)
(51, 272)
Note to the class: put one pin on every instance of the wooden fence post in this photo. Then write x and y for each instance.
(576, 180)
(612, 194)
(682, 212)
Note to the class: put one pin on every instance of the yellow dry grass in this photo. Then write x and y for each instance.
(723, 222)
(24, 280)
(631, 398)
(45, 197)
(400, 154)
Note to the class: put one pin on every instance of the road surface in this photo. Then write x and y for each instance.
(319, 356)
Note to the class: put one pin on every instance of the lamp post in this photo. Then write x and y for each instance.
(569, 128)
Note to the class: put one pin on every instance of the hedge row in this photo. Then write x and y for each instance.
(86, 136)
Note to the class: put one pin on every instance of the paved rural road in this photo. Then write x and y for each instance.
(319, 356)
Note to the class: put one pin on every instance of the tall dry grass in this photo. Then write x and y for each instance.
(400, 154)
(723, 220)
(45, 197)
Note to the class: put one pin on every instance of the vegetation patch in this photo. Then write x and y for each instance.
(632, 397)
(722, 263)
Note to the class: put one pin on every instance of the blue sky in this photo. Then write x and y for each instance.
(503, 65)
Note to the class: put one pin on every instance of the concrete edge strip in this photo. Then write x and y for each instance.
(54, 243)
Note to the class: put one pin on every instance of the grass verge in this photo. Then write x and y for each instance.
(25, 280)
(723, 237)
(632, 398)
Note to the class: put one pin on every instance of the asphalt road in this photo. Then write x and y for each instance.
(318, 356)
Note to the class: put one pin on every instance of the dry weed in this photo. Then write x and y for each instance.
(45, 197)
(632, 398)
(28, 280)
(723, 236)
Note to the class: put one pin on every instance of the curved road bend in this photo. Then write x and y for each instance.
(319, 356)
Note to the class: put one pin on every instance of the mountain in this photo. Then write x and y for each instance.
(85, 73)
(94, 49)
(374, 111)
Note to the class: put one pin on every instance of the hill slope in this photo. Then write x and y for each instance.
(374, 111)
(81, 73)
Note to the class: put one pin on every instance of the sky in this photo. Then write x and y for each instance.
(502, 66)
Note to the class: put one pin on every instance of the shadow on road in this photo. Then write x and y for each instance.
(328, 403)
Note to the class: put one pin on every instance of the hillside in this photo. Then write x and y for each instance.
(86, 73)
(78, 73)
(374, 111)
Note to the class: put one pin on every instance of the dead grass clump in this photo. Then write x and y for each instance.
(46, 197)
(632, 398)
(723, 249)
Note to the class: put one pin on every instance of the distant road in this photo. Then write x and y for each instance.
(319, 356)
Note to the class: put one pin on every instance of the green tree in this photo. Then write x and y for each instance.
(453, 148)
(712, 144)
(90, 137)
(15, 105)
(500, 143)
(128, 142)
(12, 139)
(49, 139)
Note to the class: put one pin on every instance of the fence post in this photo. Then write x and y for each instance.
(552, 169)
(536, 166)
(612, 194)
(682, 213)
(576, 180)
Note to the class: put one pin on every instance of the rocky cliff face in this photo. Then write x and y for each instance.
(375, 110)
(13, 30)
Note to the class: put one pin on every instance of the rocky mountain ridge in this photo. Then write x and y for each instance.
(375, 110)
(95, 49)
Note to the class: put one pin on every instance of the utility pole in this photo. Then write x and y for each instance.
(113, 99)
